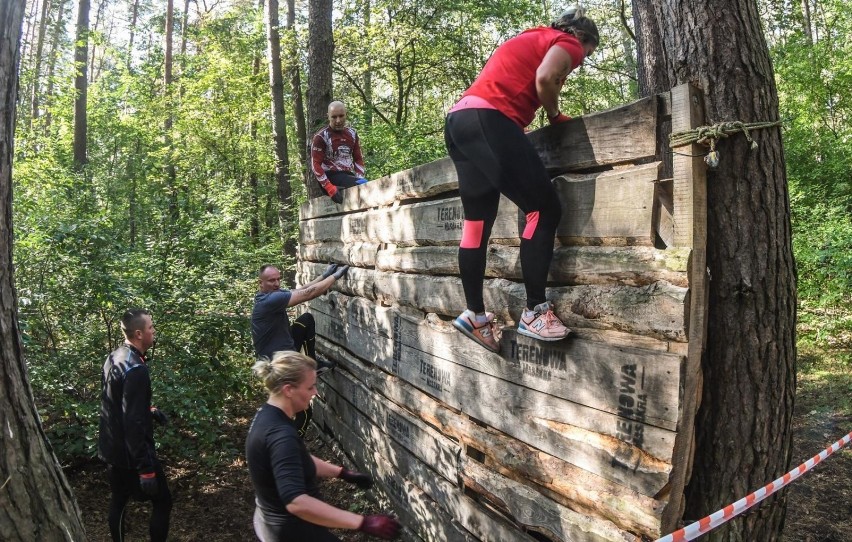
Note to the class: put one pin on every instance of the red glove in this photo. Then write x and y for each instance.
(381, 526)
(558, 118)
(335, 195)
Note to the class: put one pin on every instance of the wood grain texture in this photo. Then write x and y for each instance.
(536, 513)
(656, 310)
(364, 405)
(620, 135)
(566, 483)
(421, 516)
(605, 205)
(367, 443)
(589, 438)
(690, 201)
(594, 440)
(616, 136)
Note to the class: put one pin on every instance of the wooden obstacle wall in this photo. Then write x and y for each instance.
(586, 439)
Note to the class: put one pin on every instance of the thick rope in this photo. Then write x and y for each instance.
(713, 133)
(704, 135)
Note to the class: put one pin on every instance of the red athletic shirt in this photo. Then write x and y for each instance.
(507, 81)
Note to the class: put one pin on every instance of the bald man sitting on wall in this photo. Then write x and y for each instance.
(336, 158)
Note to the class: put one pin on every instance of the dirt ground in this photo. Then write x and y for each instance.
(218, 507)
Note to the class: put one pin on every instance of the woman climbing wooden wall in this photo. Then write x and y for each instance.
(589, 438)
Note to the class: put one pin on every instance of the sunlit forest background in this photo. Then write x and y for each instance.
(176, 204)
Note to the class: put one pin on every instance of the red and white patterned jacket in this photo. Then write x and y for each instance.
(336, 150)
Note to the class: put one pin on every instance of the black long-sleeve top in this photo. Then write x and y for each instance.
(126, 437)
(280, 464)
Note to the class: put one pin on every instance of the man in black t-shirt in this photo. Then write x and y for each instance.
(270, 324)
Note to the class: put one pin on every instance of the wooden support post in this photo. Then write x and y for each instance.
(690, 216)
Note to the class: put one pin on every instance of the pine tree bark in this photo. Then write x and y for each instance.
(320, 54)
(743, 427)
(368, 73)
(94, 28)
(134, 14)
(286, 206)
(42, 30)
(51, 60)
(171, 173)
(253, 176)
(296, 85)
(36, 502)
(806, 21)
(81, 85)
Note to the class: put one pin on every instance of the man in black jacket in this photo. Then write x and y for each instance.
(126, 438)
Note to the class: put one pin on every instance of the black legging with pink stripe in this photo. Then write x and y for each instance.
(493, 156)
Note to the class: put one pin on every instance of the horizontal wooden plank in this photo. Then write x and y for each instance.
(623, 134)
(539, 513)
(357, 254)
(612, 204)
(422, 517)
(426, 223)
(654, 310)
(591, 374)
(621, 399)
(630, 266)
(422, 181)
(612, 447)
(368, 443)
(575, 487)
(435, 450)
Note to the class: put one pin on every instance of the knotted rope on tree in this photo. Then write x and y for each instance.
(709, 135)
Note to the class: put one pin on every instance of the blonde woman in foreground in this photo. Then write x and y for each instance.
(285, 475)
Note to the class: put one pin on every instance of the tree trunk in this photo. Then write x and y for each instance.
(627, 41)
(133, 16)
(98, 14)
(296, 84)
(81, 84)
(132, 204)
(102, 59)
(320, 51)
(36, 502)
(28, 38)
(368, 73)
(42, 30)
(253, 177)
(286, 206)
(184, 37)
(51, 61)
(743, 427)
(806, 16)
(171, 174)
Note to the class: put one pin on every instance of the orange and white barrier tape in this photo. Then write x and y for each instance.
(694, 530)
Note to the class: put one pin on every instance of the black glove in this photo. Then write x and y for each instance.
(340, 271)
(364, 481)
(380, 525)
(337, 197)
(329, 271)
(148, 484)
(159, 416)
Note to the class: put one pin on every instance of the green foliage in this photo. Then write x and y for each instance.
(813, 82)
(124, 232)
(814, 75)
(91, 244)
